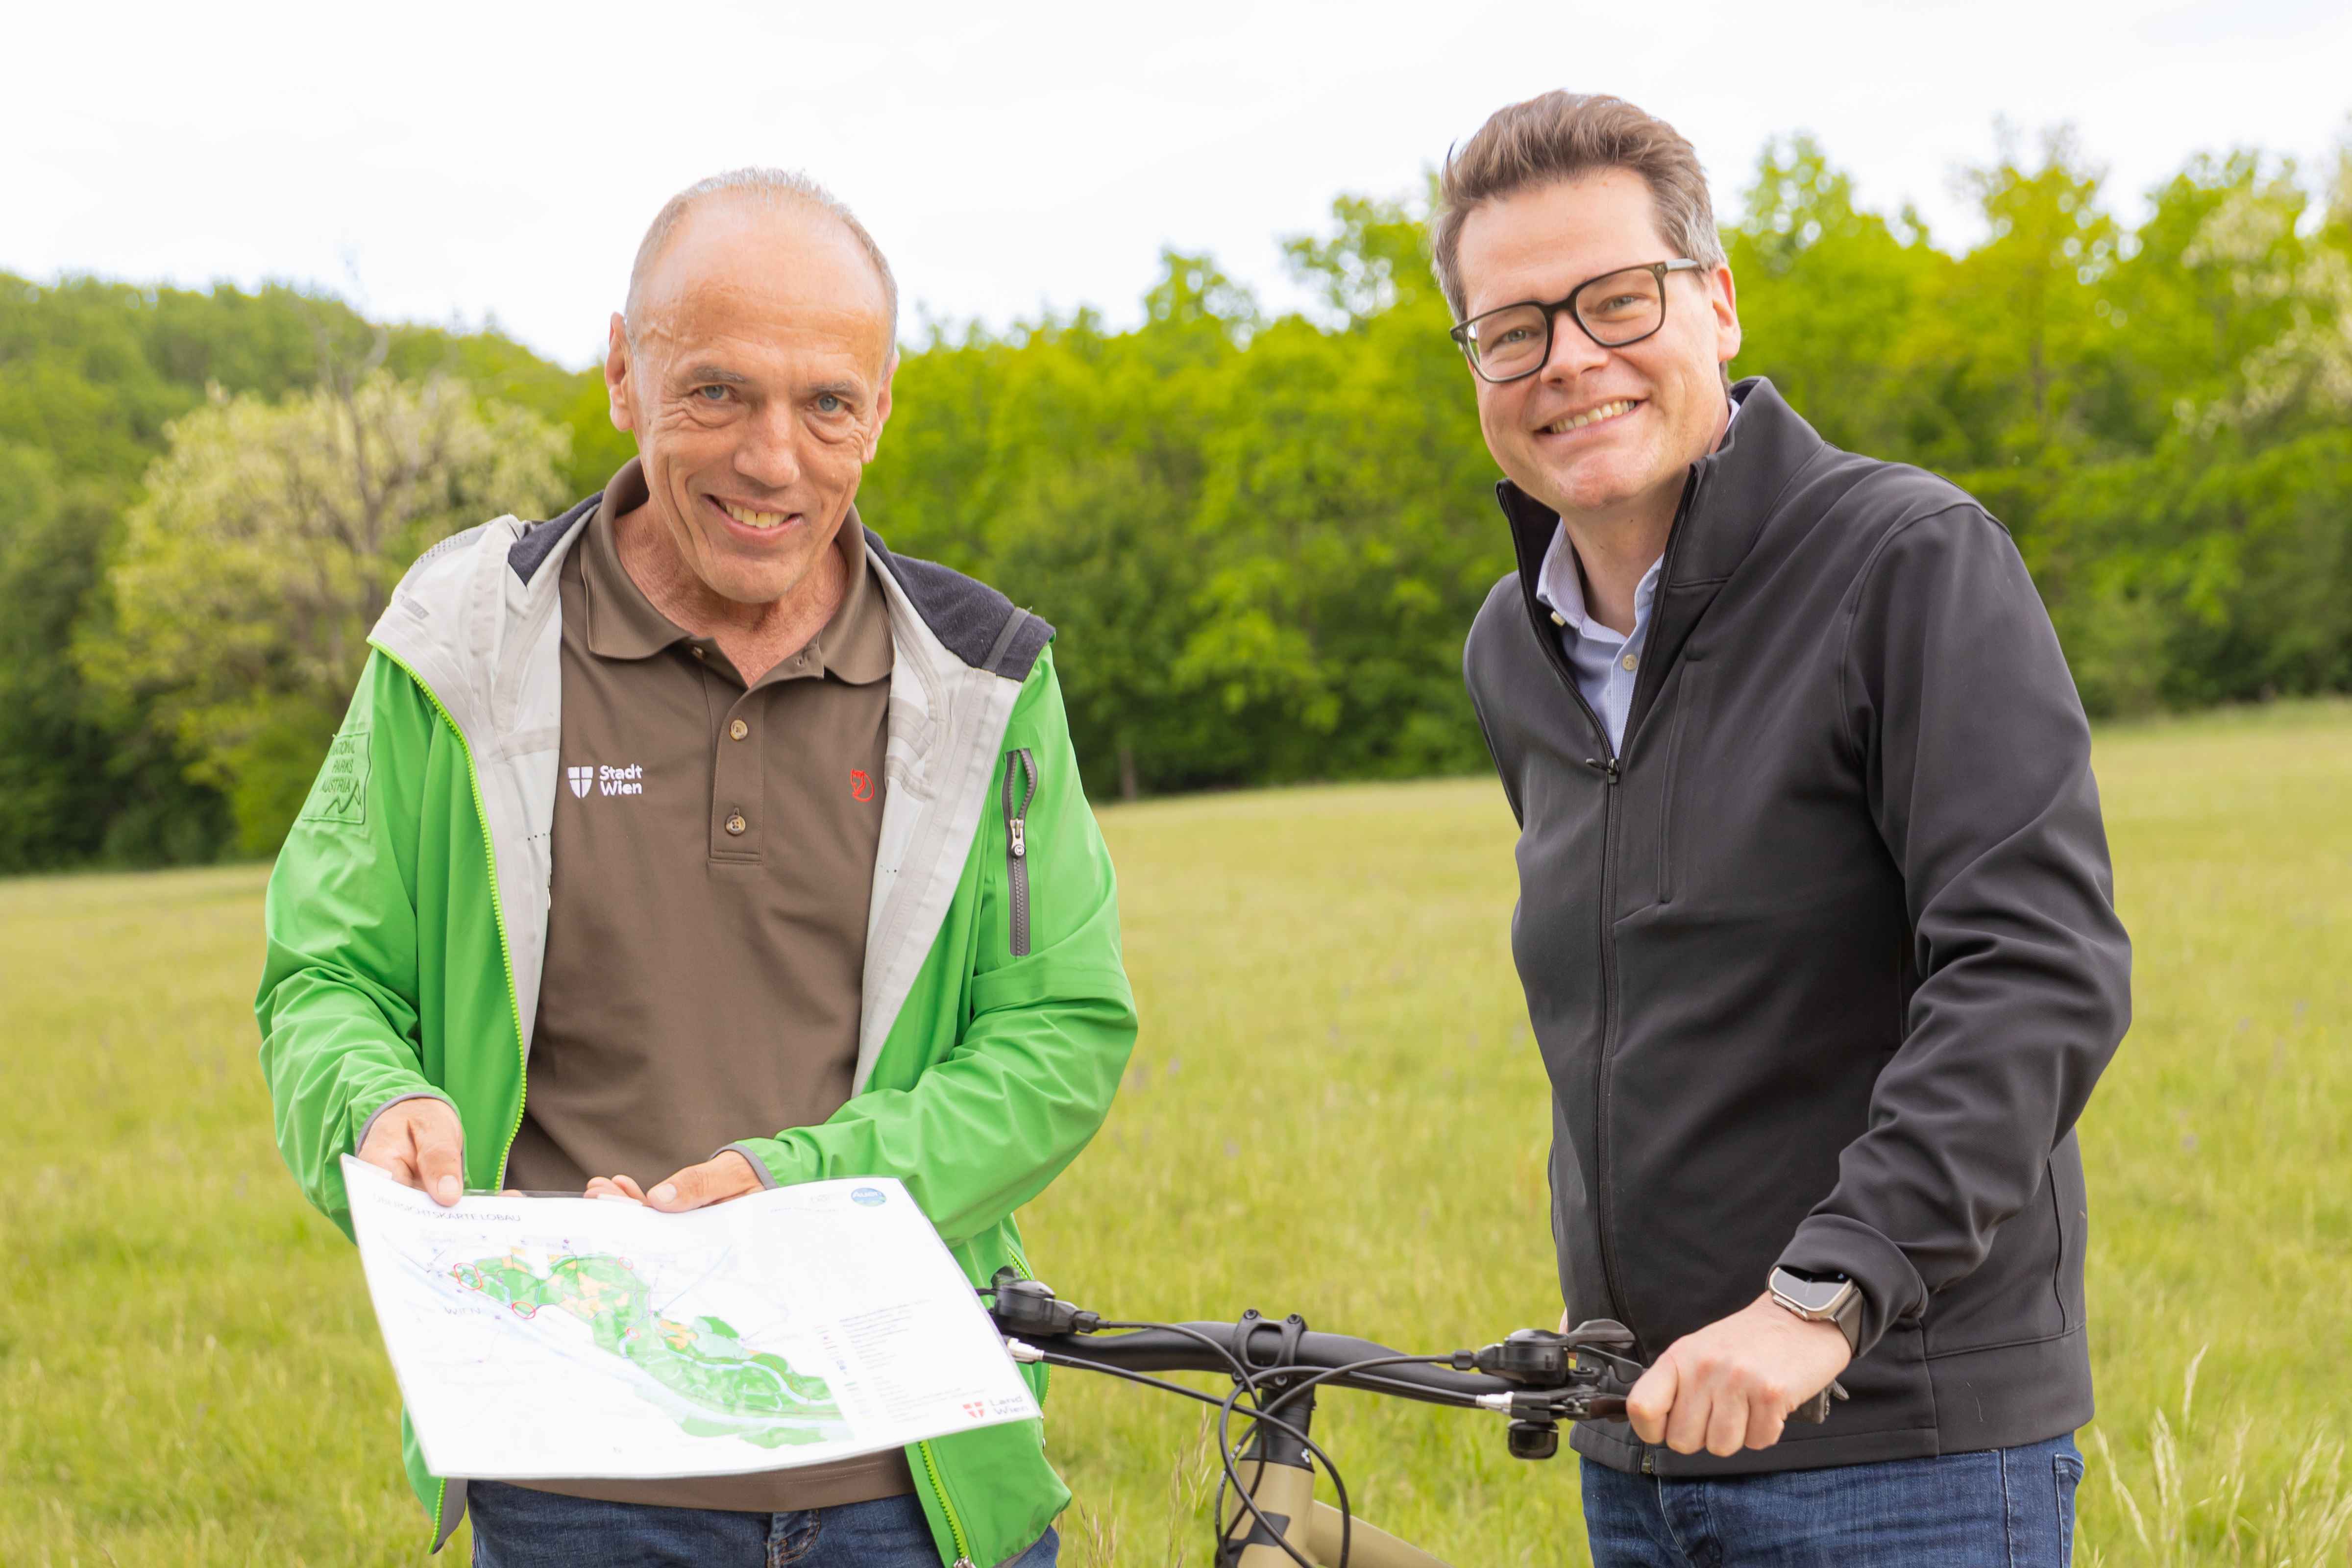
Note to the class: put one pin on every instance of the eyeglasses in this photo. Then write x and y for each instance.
(1615, 309)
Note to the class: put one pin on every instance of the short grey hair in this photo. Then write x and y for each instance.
(771, 188)
(1566, 136)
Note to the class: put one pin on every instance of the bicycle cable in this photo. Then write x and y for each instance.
(1053, 1358)
(1245, 1382)
(1245, 1379)
(1264, 1414)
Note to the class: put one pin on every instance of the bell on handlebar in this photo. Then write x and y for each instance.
(1534, 1439)
(1536, 1358)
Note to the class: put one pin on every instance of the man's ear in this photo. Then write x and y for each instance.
(1724, 298)
(616, 375)
(881, 407)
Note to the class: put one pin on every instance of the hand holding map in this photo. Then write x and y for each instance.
(536, 1338)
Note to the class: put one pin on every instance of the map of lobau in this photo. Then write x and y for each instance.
(551, 1337)
(700, 1370)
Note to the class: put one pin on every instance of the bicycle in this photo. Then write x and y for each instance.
(1539, 1377)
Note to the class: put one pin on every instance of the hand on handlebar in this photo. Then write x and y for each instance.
(1735, 1383)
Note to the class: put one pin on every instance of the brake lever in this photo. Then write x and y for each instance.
(1030, 1307)
(1816, 1410)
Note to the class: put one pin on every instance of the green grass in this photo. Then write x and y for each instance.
(1335, 1110)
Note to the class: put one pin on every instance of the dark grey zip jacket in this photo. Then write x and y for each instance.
(1823, 965)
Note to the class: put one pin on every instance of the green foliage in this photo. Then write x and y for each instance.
(92, 376)
(2159, 416)
(1263, 537)
(1826, 293)
(269, 538)
(1261, 541)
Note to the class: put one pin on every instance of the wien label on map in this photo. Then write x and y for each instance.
(542, 1337)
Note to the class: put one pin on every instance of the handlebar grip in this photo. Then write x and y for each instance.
(1813, 1412)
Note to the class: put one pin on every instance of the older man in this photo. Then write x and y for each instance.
(1814, 919)
(705, 845)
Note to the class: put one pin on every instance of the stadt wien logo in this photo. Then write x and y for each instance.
(606, 779)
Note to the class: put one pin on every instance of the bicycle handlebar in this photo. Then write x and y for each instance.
(1537, 1377)
(1259, 1345)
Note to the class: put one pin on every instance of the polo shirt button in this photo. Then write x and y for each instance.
(698, 653)
(1631, 661)
(736, 824)
(738, 730)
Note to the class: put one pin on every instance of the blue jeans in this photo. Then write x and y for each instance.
(515, 1527)
(2008, 1508)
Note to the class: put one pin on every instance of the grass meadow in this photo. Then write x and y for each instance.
(1335, 1110)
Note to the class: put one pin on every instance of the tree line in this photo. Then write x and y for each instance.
(1262, 536)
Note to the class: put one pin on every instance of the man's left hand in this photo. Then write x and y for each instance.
(1732, 1384)
(727, 1175)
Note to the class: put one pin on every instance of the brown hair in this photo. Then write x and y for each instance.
(1562, 136)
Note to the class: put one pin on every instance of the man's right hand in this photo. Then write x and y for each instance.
(421, 1144)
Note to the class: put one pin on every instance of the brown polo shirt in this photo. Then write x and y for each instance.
(713, 857)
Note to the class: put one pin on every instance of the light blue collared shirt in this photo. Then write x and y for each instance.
(1606, 663)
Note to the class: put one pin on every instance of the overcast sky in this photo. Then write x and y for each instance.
(482, 160)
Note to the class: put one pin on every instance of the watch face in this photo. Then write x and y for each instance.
(1813, 1295)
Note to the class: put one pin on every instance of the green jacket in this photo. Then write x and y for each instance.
(407, 928)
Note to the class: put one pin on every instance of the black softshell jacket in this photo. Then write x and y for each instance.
(1824, 964)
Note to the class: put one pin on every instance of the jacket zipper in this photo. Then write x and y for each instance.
(1610, 774)
(1606, 765)
(1020, 771)
(1609, 766)
(939, 1490)
(497, 918)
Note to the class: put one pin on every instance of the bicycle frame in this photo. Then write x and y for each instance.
(1283, 1487)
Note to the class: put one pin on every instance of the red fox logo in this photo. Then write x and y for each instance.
(861, 786)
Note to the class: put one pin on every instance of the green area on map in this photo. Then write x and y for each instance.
(702, 1372)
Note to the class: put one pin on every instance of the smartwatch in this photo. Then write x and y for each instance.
(1821, 1298)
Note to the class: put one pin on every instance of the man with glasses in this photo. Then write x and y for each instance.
(1815, 918)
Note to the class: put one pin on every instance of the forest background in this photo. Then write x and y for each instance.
(1262, 537)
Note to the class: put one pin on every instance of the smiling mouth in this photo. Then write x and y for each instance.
(1591, 416)
(761, 520)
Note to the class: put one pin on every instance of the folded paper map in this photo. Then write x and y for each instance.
(541, 1337)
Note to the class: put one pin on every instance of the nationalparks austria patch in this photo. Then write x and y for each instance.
(340, 793)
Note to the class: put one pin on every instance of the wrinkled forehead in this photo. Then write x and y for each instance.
(750, 273)
(1540, 242)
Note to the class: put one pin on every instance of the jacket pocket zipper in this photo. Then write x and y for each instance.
(1686, 699)
(1020, 791)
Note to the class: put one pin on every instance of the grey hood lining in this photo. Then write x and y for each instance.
(973, 621)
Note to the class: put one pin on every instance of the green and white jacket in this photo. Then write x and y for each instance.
(407, 933)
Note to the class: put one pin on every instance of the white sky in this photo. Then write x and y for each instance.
(462, 162)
